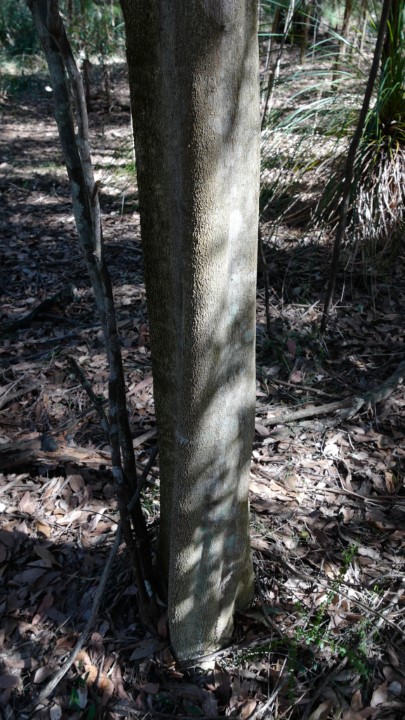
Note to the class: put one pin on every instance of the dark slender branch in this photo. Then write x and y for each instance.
(51, 685)
(273, 75)
(97, 402)
(351, 155)
(265, 271)
(76, 149)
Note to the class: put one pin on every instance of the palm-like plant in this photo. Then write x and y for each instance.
(377, 207)
(379, 190)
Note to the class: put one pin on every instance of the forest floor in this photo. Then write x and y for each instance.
(325, 635)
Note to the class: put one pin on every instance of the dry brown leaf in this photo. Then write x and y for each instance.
(144, 649)
(43, 528)
(368, 712)
(356, 702)
(66, 642)
(92, 673)
(107, 686)
(76, 483)
(322, 711)
(43, 673)
(118, 683)
(45, 604)
(167, 658)
(222, 680)
(261, 429)
(380, 695)
(247, 709)
(27, 504)
(44, 554)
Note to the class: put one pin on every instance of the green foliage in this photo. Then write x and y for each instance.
(95, 28)
(17, 32)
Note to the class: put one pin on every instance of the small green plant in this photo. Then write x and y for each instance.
(77, 694)
(348, 556)
(78, 699)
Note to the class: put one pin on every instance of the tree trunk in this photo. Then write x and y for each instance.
(194, 82)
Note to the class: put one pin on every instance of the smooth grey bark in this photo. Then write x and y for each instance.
(194, 81)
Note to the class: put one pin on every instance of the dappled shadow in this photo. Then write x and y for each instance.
(56, 530)
(326, 502)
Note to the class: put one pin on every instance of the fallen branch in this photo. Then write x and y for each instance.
(28, 452)
(62, 298)
(283, 418)
(373, 397)
(349, 407)
(96, 401)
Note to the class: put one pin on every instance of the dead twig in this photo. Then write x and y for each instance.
(276, 552)
(330, 676)
(63, 297)
(51, 685)
(97, 402)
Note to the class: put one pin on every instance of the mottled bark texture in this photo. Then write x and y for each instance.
(193, 69)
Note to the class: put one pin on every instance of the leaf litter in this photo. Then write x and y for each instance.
(325, 635)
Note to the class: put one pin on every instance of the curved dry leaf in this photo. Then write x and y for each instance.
(322, 711)
(119, 683)
(43, 673)
(107, 686)
(380, 695)
(356, 701)
(44, 554)
(261, 429)
(145, 649)
(45, 604)
(76, 483)
(27, 504)
(43, 528)
(248, 708)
